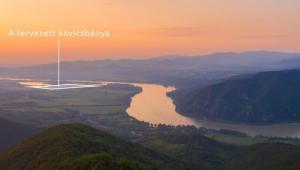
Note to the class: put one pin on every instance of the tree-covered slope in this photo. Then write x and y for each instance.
(197, 151)
(267, 97)
(79, 147)
(268, 157)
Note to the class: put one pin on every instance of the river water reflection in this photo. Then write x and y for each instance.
(154, 106)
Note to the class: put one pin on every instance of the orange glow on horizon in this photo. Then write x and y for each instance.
(144, 28)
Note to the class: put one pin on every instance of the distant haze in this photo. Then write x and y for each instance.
(178, 70)
(144, 28)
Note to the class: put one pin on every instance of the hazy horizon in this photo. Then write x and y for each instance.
(54, 60)
(142, 29)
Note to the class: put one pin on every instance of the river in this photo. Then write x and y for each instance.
(154, 106)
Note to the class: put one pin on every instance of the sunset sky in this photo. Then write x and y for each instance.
(147, 28)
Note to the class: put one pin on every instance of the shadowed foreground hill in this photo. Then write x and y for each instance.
(267, 97)
(79, 147)
(268, 156)
(198, 151)
(11, 133)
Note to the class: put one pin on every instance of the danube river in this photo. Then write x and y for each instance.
(154, 106)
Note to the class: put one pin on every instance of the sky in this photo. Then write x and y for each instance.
(147, 28)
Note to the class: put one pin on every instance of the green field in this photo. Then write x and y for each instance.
(46, 108)
(103, 108)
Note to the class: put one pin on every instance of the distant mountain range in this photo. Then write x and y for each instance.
(262, 98)
(175, 70)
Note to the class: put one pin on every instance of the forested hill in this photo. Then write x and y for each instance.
(262, 98)
(80, 147)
